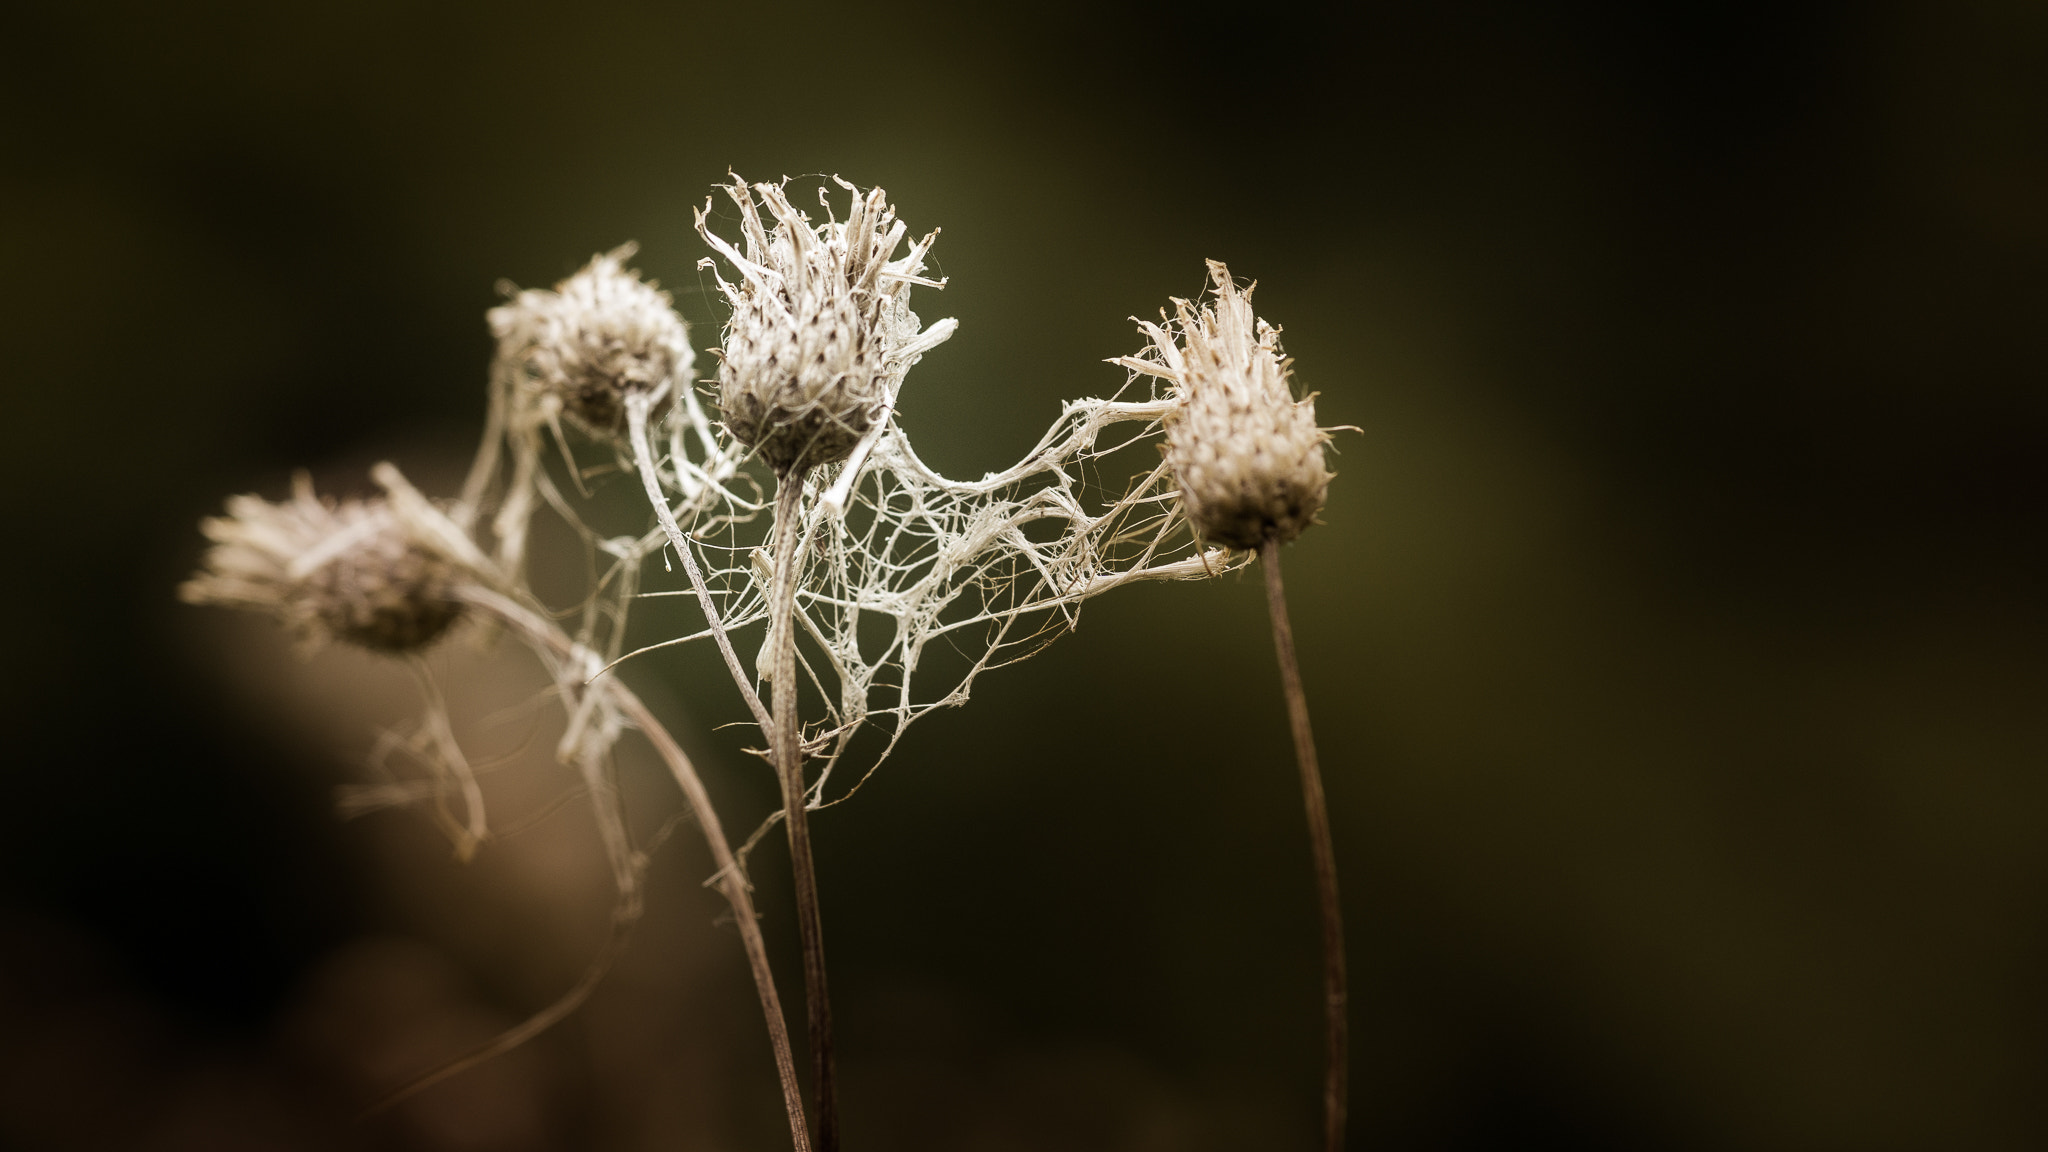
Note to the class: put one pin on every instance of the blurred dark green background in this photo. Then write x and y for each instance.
(1675, 637)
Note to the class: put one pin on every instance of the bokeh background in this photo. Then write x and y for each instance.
(1675, 635)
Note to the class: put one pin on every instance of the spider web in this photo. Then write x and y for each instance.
(897, 559)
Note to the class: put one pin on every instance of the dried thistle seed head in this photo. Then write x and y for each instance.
(600, 335)
(1247, 456)
(821, 330)
(328, 569)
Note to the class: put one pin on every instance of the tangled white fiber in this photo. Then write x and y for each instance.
(931, 559)
(894, 557)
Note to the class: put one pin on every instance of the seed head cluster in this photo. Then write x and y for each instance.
(328, 569)
(1247, 456)
(816, 349)
(821, 325)
(600, 335)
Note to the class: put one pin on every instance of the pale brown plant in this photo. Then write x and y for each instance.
(802, 509)
(1248, 460)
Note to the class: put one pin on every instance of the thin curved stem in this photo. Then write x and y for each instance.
(786, 744)
(1335, 1030)
(730, 880)
(643, 455)
(539, 1022)
(732, 884)
(473, 830)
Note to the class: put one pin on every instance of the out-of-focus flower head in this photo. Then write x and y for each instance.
(582, 348)
(352, 570)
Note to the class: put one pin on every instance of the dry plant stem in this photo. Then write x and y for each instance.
(733, 886)
(505, 1042)
(472, 831)
(787, 748)
(1335, 1031)
(643, 454)
(730, 880)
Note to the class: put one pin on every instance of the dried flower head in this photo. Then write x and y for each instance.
(1248, 457)
(821, 329)
(600, 335)
(349, 569)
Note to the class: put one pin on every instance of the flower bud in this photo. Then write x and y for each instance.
(1247, 456)
(347, 569)
(821, 330)
(600, 335)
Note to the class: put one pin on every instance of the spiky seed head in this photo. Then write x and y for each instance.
(600, 335)
(821, 328)
(1247, 456)
(347, 570)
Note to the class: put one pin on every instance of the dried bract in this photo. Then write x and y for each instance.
(350, 570)
(1247, 456)
(600, 335)
(821, 330)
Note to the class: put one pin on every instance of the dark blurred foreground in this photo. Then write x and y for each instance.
(1675, 637)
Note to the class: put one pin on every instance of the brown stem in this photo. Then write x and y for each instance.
(1335, 1031)
(506, 1041)
(789, 768)
(732, 884)
(730, 880)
